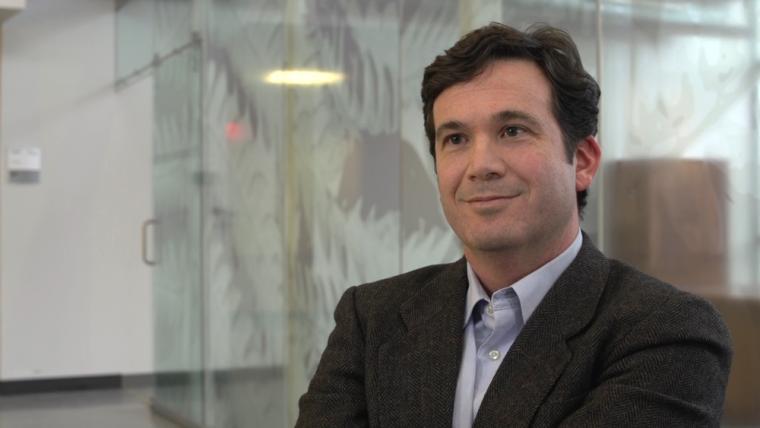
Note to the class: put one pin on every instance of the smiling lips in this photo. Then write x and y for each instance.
(485, 200)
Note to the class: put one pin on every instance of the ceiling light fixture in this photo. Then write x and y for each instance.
(303, 77)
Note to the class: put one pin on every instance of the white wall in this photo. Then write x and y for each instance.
(12, 4)
(75, 298)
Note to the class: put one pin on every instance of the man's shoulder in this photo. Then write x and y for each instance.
(612, 286)
(632, 296)
(382, 298)
(632, 283)
(628, 283)
(409, 283)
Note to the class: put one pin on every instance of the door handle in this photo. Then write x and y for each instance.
(144, 238)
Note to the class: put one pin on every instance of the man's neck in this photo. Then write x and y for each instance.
(500, 269)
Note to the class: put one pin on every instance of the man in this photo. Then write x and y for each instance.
(534, 326)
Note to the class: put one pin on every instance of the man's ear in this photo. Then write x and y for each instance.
(588, 157)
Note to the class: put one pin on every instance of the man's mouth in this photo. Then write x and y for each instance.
(488, 198)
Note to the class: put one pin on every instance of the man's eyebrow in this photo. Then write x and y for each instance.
(452, 125)
(506, 115)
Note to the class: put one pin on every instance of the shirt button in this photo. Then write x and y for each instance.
(494, 355)
(489, 309)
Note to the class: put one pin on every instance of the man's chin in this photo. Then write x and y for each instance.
(492, 244)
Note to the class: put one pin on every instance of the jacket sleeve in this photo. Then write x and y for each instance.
(670, 369)
(336, 394)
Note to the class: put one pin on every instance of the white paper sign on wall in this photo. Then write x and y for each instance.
(24, 164)
(24, 159)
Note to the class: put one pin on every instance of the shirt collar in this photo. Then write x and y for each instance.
(531, 289)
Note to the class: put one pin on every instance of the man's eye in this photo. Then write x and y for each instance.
(512, 131)
(454, 139)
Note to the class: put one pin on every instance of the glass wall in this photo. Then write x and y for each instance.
(306, 189)
(250, 210)
(681, 185)
(177, 274)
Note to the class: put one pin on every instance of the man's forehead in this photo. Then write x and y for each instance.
(506, 73)
(514, 84)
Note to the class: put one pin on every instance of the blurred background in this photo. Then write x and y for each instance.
(188, 186)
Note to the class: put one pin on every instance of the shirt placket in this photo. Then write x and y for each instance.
(497, 322)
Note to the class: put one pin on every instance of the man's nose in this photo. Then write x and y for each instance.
(486, 162)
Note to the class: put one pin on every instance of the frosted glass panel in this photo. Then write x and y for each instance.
(134, 36)
(177, 275)
(174, 24)
(671, 115)
(426, 29)
(345, 146)
(245, 230)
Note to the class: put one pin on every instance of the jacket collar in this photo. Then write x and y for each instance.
(540, 353)
(434, 301)
(421, 365)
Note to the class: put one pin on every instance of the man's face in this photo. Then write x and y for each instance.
(504, 178)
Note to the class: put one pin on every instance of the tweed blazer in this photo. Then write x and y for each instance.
(607, 346)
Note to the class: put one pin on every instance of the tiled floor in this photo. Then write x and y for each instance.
(89, 409)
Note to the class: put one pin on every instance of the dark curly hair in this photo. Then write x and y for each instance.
(575, 94)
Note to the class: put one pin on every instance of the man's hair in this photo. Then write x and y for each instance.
(575, 94)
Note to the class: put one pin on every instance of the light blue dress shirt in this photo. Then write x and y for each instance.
(492, 324)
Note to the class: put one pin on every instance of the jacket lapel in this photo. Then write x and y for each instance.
(540, 353)
(421, 365)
